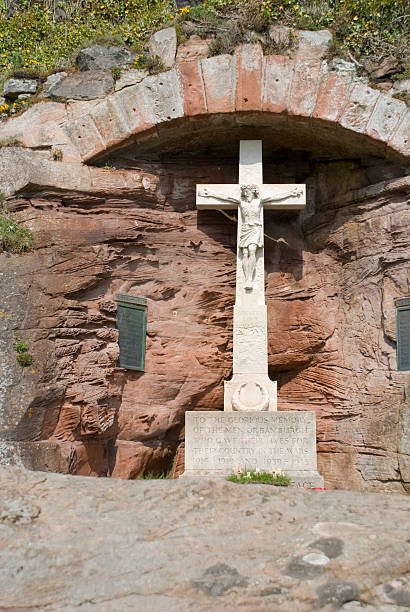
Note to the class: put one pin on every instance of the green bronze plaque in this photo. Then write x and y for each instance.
(403, 334)
(130, 299)
(132, 325)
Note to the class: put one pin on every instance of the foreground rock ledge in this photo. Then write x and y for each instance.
(70, 542)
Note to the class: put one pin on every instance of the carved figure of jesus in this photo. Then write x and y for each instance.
(251, 210)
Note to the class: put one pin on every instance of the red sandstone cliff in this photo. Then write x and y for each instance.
(332, 274)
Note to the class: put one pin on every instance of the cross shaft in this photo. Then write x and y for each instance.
(250, 387)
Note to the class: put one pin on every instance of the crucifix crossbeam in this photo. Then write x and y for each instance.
(250, 387)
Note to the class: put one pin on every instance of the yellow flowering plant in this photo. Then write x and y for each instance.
(32, 37)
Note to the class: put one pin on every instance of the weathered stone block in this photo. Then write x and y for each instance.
(14, 87)
(78, 108)
(100, 57)
(280, 35)
(52, 81)
(46, 173)
(192, 88)
(385, 118)
(11, 182)
(38, 126)
(332, 94)
(303, 91)
(313, 44)
(382, 68)
(84, 135)
(218, 83)
(249, 83)
(194, 48)
(359, 108)
(337, 64)
(83, 86)
(164, 45)
(130, 77)
(110, 122)
(276, 83)
(303, 44)
(401, 138)
(163, 94)
(135, 108)
(403, 85)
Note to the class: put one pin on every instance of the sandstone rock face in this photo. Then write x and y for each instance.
(332, 275)
(403, 85)
(185, 545)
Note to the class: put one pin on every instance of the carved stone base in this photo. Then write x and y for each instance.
(218, 443)
(250, 393)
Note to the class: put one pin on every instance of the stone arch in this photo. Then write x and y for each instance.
(302, 96)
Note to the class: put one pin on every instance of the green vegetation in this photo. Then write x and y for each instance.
(151, 476)
(10, 142)
(43, 35)
(56, 154)
(116, 73)
(151, 63)
(24, 358)
(13, 237)
(20, 347)
(403, 96)
(13, 108)
(256, 476)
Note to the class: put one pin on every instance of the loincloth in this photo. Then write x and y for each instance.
(250, 234)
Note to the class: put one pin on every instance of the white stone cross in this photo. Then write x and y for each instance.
(250, 387)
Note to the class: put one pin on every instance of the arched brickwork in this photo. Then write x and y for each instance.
(247, 82)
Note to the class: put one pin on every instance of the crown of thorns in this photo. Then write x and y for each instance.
(253, 188)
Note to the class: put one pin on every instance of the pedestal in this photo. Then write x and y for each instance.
(218, 443)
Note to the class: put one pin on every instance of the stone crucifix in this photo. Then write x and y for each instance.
(250, 387)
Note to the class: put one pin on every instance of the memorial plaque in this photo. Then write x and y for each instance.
(222, 442)
(132, 325)
(403, 334)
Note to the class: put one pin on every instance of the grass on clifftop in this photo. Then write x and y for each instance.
(43, 35)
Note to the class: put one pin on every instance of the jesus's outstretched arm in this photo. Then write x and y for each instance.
(204, 193)
(295, 192)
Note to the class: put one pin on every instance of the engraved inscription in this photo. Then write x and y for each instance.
(265, 440)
